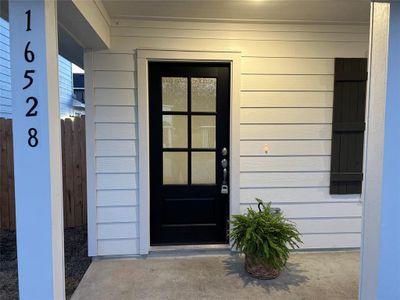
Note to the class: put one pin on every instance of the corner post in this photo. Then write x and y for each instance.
(389, 259)
(381, 226)
(37, 149)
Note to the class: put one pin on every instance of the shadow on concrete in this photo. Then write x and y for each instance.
(291, 276)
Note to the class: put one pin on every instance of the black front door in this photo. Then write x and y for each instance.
(189, 143)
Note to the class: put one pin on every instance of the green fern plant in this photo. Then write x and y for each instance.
(264, 236)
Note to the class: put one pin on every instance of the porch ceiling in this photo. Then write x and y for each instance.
(309, 11)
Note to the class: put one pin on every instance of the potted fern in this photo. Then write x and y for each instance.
(266, 238)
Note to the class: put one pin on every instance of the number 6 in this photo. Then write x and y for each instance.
(29, 55)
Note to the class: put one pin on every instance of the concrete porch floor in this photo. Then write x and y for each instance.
(312, 275)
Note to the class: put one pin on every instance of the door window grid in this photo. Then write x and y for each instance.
(191, 151)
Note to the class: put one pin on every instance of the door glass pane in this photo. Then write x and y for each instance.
(204, 93)
(174, 94)
(203, 131)
(175, 131)
(175, 170)
(203, 167)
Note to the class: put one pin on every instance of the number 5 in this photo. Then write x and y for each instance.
(27, 76)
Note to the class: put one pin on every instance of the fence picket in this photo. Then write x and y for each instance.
(5, 211)
(10, 175)
(83, 169)
(69, 173)
(77, 172)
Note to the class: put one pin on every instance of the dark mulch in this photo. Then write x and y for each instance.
(76, 258)
(76, 261)
(8, 266)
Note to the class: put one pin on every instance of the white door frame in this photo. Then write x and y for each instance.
(144, 56)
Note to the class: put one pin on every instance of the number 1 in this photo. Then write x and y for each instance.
(28, 20)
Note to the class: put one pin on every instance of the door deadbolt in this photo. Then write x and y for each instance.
(224, 163)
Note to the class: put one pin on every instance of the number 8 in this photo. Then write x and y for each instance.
(33, 141)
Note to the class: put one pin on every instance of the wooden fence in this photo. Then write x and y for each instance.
(74, 173)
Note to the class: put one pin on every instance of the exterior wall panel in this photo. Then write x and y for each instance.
(286, 103)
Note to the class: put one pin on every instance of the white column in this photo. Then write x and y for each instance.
(37, 149)
(380, 260)
(389, 254)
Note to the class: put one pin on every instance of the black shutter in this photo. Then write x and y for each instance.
(348, 125)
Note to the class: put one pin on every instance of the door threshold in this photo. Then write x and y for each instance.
(189, 250)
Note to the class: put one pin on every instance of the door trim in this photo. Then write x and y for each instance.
(143, 57)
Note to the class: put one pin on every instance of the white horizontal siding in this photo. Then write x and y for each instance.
(114, 79)
(115, 97)
(286, 99)
(242, 27)
(114, 82)
(5, 69)
(106, 62)
(294, 195)
(117, 246)
(116, 198)
(284, 179)
(331, 240)
(328, 225)
(292, 66)
(287, 82)
(294, 49)
(241, 35)
(116, 181)
(115, 148)
(285, 164)
(285, 148)
(116, 214)
(286, 115)
(115, 114)
(116, 165)
(123, 131)
(286, 104)
(285, 132)
(65, 87)
(316, 210)
(117, 231)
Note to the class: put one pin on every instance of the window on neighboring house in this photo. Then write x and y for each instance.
(348, 125)
(79, 86)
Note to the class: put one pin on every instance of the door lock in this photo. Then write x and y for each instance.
(224, 187)
(224, 163)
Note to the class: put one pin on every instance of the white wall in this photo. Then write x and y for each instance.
(66, 89)
(5, 71)
(286, 102)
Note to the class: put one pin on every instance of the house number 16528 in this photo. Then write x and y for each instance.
(33, 102)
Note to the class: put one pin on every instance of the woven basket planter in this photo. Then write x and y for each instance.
(259, 270)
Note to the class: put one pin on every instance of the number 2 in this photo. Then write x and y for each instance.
(31, 112)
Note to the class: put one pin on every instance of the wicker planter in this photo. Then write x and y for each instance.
(260, 271)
